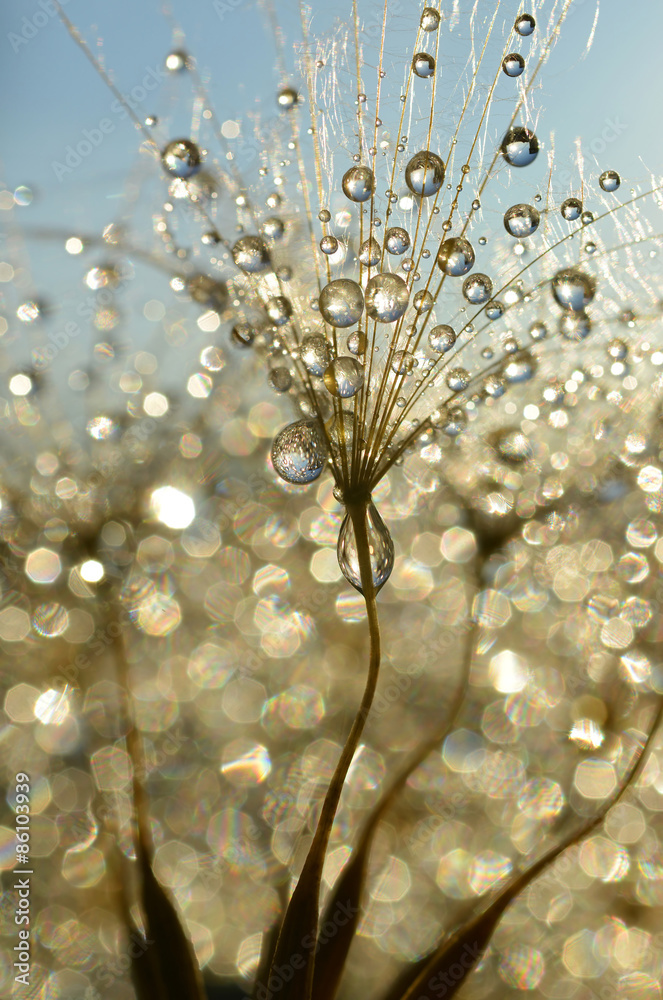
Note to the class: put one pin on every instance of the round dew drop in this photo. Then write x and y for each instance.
(280, 379)
(573, 290)
(525, 25)
(181, 158)
(397, 240)
(441, 338)
(287, 98)
(279, 310)
(477, 288)
(341, 302)
(315, 353)
(574, 326)
(329, 244)
(458, 379)
(242, 334)
(251, 255)
(455, 256)
(299, 452)
(519, 147)
(430, 19)
(513, 64)
(571, 209)
(521, 220)
(387, 297)
(609, 180)
(344, 377)
(358, 184)
(423, 65)
(356, 342)
(424, 174)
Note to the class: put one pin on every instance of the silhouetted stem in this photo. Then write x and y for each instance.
(300, 923)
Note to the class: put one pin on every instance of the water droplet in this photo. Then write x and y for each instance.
(356, 342)
(280, 379)
(403, 362)
(329, 244)
(208, 291)
(458, 379)
(251, 254)
(358, 184)
(181, 158)
(538, 331)
(477, 288)
(386, 297)
(341, 302)
(617, 349)
(572, 289)
(423, 301)
(525, 25)
(243, 334)
(574, 326)
(397, 240)
(455, 256)
(430, 19)
(521, 220)
(273, 228)
(494, 310)
(609, 180)
(586, 218)
(520, 369)
(315, 354)
(571, 209)
(476, 204)
(177, 61)
(210, 238)
(344, 377)
(380, 545)
(513, 64)
(590, 248)
(424, 174)
(369, 252)
(423, 65)
(279, 310)
(519, 147)
(453, 421)
(287, 98)
(299, 452)
(493, 386)
(441, 338)
(514, 446)
(324, 215)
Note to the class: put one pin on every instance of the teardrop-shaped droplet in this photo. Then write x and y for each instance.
(299, 452)
(521, 220)
(572, 289)
(358, 184)
(315, 354)
(341, 302)
(380, 545)
(424, 174)
(251, 254)
(181, 158)
(455, 256)
(387, 297)
(519, 147)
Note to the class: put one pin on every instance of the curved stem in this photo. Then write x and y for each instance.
(300, 922)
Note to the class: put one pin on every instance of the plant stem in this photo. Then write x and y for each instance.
(300, 922)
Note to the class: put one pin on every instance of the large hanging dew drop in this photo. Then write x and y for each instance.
(609, 180)
(571, 209)
(521, 220)
(430, 19)
(358, 184)
(424, 174)
(525, 25)
(423, 65)
(441, 338)
(477, 288)
(299, 452)
(181, 158)
(251, 254)
(315, 354)
(341, 302)
(344, 377)
(519, 147)
(455, 256)
(513, 64)
(573, 290)
(397, 240)
(381, 548)
(369, 252)
(386, 297)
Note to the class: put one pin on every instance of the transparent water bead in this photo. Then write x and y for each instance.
(525, 25)
(279, 310)
(341, 302)
(571, 209)
(356, 342)
(280, 379)
(441, 338)
(344, 377)
(423, 301)
(513, 64)
(181, 158)
(273, 228)
(514, 446)
(370, 253)
(458, 379)
(455, 256)
(329, 244)
(397, 240)
(315, 354)
(243, 334)
(520, 369)
(538, 331)
(299, 452)
(572, 289)
(424, 174)
(430, 19)
(617, 349)
(208, 292)
(177, 61)
(574, 326)
(251, 255)
(403, 363)
(609, 180)
(519, 147)
(287, 98)
(358, 184)
(521, 220)
(493, 386)
(381, 548)
(494, 310)
(423, 65)
(477, 288)
(386, 297)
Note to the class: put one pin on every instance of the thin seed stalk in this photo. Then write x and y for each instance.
(300, 923)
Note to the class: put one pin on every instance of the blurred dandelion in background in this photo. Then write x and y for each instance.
(330, 391)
